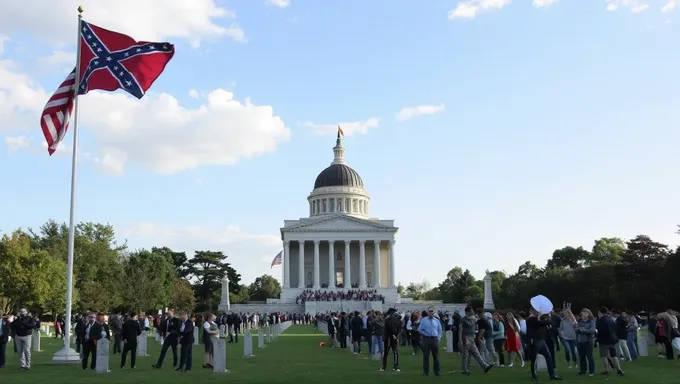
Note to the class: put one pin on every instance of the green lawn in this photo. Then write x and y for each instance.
(295, 357)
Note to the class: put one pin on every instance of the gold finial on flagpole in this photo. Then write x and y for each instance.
(80, 10)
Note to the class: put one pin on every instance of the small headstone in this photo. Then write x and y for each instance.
(141, 344)
(642, 343)
(102, 363)
(541, 364)
(248, 345)
(348, 341)
(449, 341)
(158, 337)
(376, 355)
(219, 355)
(35, 343)
(260, 338)
(73, 339)
(269, 334)
(223, 330)
(195, 335)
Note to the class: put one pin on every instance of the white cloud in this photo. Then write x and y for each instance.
(193, 94)
(469, 9)
(15, 143)
(348, 127)
(635, 6)
(279, 3)
(544, 3)
(155, 132)
(250, 254)
(670, 6)
(410, 112)
(150, 20)
(63, 60)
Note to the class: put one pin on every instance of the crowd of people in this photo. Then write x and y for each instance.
(349, 295)
(487, 338)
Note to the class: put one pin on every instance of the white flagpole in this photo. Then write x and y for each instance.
(68, 355)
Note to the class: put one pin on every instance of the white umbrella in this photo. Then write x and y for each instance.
(541, 304)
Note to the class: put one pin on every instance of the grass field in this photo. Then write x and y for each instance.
(295, 357)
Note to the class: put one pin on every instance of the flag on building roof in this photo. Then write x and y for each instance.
(340, 131)
(277, 259)
(108, 61)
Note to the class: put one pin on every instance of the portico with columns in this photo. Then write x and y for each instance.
(339, 246)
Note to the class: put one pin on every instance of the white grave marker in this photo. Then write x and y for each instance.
(269, 334)
(260, 338)
(195, 335)
(219, 355)
(102, 363)
(248, 345)
(449, 341)
(35, 343)
(141, 344)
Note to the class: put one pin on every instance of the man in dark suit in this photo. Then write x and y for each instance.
(79, 331)
(4, 337)
(130, 331)
(89, 346)
(170, 331)
(186, 340)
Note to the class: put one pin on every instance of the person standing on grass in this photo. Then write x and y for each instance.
(538, 331)
(356, 326)
(170, 333)
(4, 338)
(585, 331)
(393, 324)
(466, 342)
(130, 330)
(607, 340)
(430, 329)
(498, 331)
(378, 325)
(186, 341)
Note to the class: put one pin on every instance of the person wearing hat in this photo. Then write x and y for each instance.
(23, 329)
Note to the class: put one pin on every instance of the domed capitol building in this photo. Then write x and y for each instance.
(338, 248)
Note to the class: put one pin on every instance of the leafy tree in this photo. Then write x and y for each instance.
(264, 287)
(455, 288)
(607, 250)
(182, 295)
(151, 277)
(568, 258)
(417, 291)
(179, 260)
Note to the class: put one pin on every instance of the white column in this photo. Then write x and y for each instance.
(331, 264)
(348, 273)
(286, 264)
(362, 264)
(376, 262)
(316, 265)
(301, 262)
(392, 275)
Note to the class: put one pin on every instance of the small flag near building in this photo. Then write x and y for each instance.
(277, 259)
(340, 131)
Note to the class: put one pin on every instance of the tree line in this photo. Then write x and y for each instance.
(110, 277)
(637, 275)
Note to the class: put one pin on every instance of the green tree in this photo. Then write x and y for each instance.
(417, 291)
(182, 296)
(454, 289)
(179, 260)
(264, 287)
(607, 250)
(151, 277)
(568, 258)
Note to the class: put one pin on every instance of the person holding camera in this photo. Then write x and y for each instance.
(23, 327)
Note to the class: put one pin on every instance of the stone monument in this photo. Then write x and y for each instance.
(449, 341)
(488, 292)
(195, 335)
(219, 355)
(224, 302)
(141, 344)
(102, 363)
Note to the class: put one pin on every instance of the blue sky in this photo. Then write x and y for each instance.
(547, 126)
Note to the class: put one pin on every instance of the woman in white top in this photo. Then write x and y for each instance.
(210, 329)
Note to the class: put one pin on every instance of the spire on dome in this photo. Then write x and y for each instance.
(338, 150)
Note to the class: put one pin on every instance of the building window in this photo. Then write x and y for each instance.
(324, 206)
(369, 279)
(339, 279)
(338, 257)
(331, 205)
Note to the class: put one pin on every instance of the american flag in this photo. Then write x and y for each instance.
(277, 259)
(108, 61)
(57, 113)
